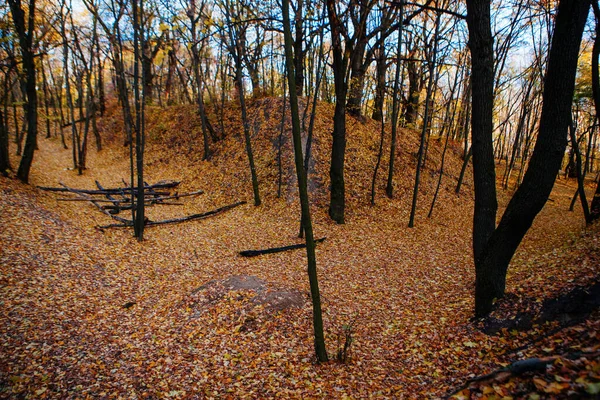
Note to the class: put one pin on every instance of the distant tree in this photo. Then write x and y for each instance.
(233, 36)
(25, 33)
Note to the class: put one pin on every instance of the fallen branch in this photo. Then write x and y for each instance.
(176, 196)
(176, 220)
(517, 368)
(116, 209)
(254, 253)
(94, 202)
(159, 185)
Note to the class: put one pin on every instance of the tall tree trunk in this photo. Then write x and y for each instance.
(46, 98)
(411, 109)
(389, 189)
(595, 206)
(4, 130)
(240, 88)
(481, 45)
(139, 76)
(319, 337)
(299, 52)
(358, 69)
(381, 68)
(580, 175)
(428, 110)
(4, 158)
(337, 202)
(492, 261)
(26, 44)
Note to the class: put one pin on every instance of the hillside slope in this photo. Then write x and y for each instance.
(176, 138)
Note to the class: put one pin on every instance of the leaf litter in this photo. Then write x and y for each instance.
(408, 293)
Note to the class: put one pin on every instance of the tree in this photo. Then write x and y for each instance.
(4, 160)
(428, 102)
(25, 37)
(234, 39)
(139, 90)
(595, 206)
(303, 191)
(495, 247)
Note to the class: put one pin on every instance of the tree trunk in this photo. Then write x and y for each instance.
(595, 206)
(299, 52)
(381, 81)
(495, 255)
(26, 44)
(240, 88)
(319, 337)
(580, 175)
(389, 189)
(358, 70)
(4, 158)
(336, 171)
(482, 94)
(428, 110)
(411, 108)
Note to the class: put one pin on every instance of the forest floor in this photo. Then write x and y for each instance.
(86, 313)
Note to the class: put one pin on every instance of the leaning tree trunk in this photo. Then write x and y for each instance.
(428, 110)
(491, 263)
(240, 88)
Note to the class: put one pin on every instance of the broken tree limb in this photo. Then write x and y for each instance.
(254, 253)
(515, 369)
(159, 185)
(176, 196)
(116, 209)
(127, 206)
(93, 201)
(148, 201)
(177, 220)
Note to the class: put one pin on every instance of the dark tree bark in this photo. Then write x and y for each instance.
(481, 45)
(4, 158)
(415, 84)
(139, 219)
(4, 128)
(46, 98)
(492, 261)
(389, 189)
(199, 79)
(337, 202)
(319, 337)
(299, 51)
(428, 110)
(595, 206)
(27, 53)
(381, 68)
(579, 173)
